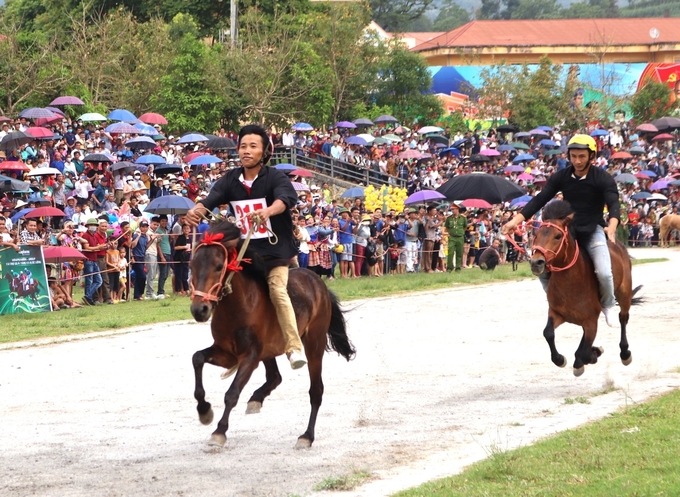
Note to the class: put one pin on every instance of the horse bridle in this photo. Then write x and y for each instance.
(564, 242)
(223, 286)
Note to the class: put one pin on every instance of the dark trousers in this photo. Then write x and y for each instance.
(104, 290)
(163, 272)
(181, 276)
(140, 279)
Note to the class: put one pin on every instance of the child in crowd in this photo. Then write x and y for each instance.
(113, 273)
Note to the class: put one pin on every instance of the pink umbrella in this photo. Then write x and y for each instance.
(647, 128)
(490, 152)
(525, 177)
(38, 132)
(153, 118)
(41, 121)
(410, 154)
(662, 137)
(476, 203)
(67, 100)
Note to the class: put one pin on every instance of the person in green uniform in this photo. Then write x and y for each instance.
(622, 229)
(455, 224)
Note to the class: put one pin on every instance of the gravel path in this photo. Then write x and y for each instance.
(441, 379)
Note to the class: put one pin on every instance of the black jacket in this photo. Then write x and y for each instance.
(272, 185)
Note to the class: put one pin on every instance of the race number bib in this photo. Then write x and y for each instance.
(244, 207)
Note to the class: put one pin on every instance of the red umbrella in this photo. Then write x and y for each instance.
(647, 128)
(45, 211)
(641, 176)
(662, 137)
(152, 118)
(61, 254)
(39, 132)
(410, 154)
(4, 119)
(301, 172)
(10, 165)
(192, 156)
(476, 203)
(41, 121)
(621, 155)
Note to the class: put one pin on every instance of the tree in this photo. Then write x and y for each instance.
(495, 93)
(451, 17)
(394, 15)
(536, 9)
(538, 98)
(490, 9)
(651, 102)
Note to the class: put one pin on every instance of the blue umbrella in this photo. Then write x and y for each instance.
(523, 198)
(15, 218)
(141, 142)
(285, 167)
(36, 113)
(145, 129)
(122, 115)
(521, 134)
(192, 138)
(38, 200)
(169, 204)
(523, 157)
(506, 148)
(345, 125)
(538, 132)
(356, 140)
(599, 132)
(203, 160)
(649, 173)
(548, 143)
(675, 182)
(459, 143)
(126, 128)
(150, 159)
(355, 192)
(450, 150)
(545, 128)
(641, 195)
(302, 127)
(515, 169)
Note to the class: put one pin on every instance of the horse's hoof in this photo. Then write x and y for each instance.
(217, 440)
(626, 362)
(206, 418)
(579, 371)
(601, 349)
(254, 407)
(303, 443)
(564, 362)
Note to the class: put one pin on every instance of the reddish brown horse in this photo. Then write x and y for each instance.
(573, 294)
(245, 328)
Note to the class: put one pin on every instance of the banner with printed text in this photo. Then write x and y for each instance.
(23, 287)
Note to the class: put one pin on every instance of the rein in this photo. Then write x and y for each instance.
(563, 243)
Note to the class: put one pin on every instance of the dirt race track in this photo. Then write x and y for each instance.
(441, 379)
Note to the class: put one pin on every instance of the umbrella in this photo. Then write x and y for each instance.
(356, 140)
(385, 119)
(641, 195)
(46, 211)
(91, 116)
(380, 141)
(657, 196)
(368, 138)
(141, 142)
(621, 155)
(476, 203)
(659, 185)
(285, 167)
(667, 123)
(641, 176)
(554, 151)
(39, 200)
(626, 178)
(410, 154)
(56, 255)
(479, 158)
(167, 169)
(538, 132)
(450, 150)
(489, 187)
(507, 128)
(150, 159)
(506, 148)
(648, 173)
(523, 198)
(522, 134)
(38, 132)
(439, 139)
(599, 132)
(120, 128)
(122, 115)
(192, 138)
(362, 121)
(525, 177)
(545, 128)
(301, 172)
(203, 160)
(220, 143)
(647, 128)
(392, 137)
(430, 129)
(36, 112)
(153, 118)
(662, 137)
(547, 143)
(515, 168)
(8, 184)
(520, 145)
(189, 157)
(54, 110)
(13, 165)
(423, 197)
(169, 204)
(302, 127)
(490, 152)
(124, 165)
(523, 158)
(18, 215)
(355, 192)
(15, 139)
(145, 129)
(674, 182)
(345, 125)
(459, 143)
(44, 171)
(67, 100)
(299, 187)
(637, 150)
(97, 158)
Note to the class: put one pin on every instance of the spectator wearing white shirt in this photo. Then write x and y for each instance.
(288, 138)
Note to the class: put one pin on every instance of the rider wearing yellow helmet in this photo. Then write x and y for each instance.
(588, 189)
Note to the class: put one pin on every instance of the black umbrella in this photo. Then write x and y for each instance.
(493, 189)
(124, 165)
(507, 128)
(362, 121)
(667, 123)
(15, 139)
(386, 119)
(97, 158)
(164, 169)
(479, 158)
(439, 139)
(220, 143)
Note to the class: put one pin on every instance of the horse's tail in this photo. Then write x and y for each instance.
(637, 300)
(337, 331)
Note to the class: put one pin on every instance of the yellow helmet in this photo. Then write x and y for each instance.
(583, 142)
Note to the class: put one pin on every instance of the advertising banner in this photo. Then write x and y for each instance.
(23, 287)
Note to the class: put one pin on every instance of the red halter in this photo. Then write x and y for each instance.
(214, 294)
(563, 243)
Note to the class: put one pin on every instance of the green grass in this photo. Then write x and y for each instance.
(649, 260)
(343, 483)
(633, 452)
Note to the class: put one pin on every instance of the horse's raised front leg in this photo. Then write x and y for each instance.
(586, 353)
(549, 334)
(211, 355)
(273, 380)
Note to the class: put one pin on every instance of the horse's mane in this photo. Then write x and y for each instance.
(256, 268)
(557, 209)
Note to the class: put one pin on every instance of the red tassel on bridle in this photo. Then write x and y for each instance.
(231, 264)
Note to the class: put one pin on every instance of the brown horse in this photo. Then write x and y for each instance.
(245, 329)
(667, 224)
(573, 291)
